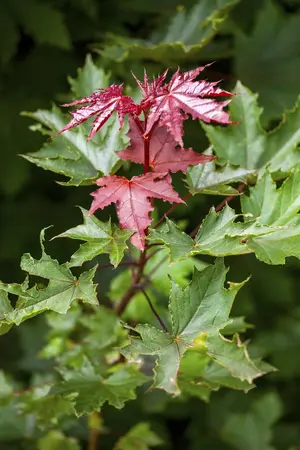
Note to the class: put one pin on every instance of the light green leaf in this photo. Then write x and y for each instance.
(5, 307)
(246, 144)
(219, 235)
(47, 409)
(5, 387)
(271, 226)
(276, 208)
(199, 375)
(70, 154)
(56, 440)
(215, 180)
(139, 437)
(200, 309)
(252, 430)
(90, 78)
(237, 325)
(262, 66)
(62, 289)
(233, 356)
(90, 390)
(183, 39)
(100, 238)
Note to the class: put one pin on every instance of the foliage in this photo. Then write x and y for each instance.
(134, 337)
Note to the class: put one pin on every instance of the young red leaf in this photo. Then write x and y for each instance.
(164, 155)
(150, 89)
(132, 198)
(101, 104)
(173, 102)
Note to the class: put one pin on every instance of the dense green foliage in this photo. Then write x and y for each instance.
(216, 366)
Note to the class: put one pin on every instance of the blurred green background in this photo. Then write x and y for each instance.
(44, 42)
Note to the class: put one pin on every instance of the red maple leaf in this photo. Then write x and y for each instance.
(132, 198)
(101, 104)
(164, 155)
(150, 89)
(172, 102)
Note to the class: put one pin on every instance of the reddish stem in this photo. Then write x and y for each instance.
(170, 210)
(228, 199)
(146, 153)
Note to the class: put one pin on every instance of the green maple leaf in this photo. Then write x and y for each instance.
(70, 153)
(248, 145)
(46, 408)
(276, 208)
(139, 437)
(270, 227)
(215, 180)
(100, 238)
(62, 289)
(183, 39)
(200, 310)
(89, 79)
(200, 375)
(218, 235)
(89, 390)
(262, 66)
(56, 440)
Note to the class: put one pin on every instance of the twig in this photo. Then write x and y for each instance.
(93, 439)
(153, 310)
(231, 197)
(124, 263)
(120, 307)
(153, 253)
(170, 210)
(94, 431)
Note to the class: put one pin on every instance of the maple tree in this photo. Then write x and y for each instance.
(163, 320)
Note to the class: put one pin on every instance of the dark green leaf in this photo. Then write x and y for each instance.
(90, 390)
(200, 309)
(183, 39)
(63, 288)
(262, 66)
(43, 22)
(252, 430)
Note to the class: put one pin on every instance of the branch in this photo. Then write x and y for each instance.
(123, 263)
(121, 306)
(170, 210)
(153, 310)
(94, 430)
